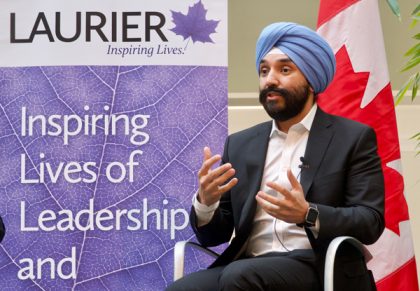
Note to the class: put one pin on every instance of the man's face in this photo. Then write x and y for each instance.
(284, 90)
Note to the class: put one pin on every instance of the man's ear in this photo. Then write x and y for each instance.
(312, 92)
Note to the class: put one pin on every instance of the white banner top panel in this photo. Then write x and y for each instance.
(158, 32)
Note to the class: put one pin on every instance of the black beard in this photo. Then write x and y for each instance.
(294, 102)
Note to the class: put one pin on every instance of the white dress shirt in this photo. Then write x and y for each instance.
(268, 233)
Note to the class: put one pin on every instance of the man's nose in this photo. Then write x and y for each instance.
(272, 80)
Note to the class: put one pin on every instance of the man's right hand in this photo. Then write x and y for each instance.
(213, 182)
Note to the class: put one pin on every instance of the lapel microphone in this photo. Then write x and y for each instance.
(304, 164)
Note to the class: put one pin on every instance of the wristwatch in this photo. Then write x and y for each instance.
(311, 216)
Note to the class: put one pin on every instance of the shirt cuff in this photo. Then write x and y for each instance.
(203, 212)
(315, 229)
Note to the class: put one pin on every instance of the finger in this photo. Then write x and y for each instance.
(286, 193)
(217, 177)
(207, 164)
(269, 198)
(207, 153)
(218, 172)
(293, 181)
(221, 179)
(266, 205)
(228, 186)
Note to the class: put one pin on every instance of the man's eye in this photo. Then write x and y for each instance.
(263, 71)
(285, 70)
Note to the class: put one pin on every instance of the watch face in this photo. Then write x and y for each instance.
(312, 215)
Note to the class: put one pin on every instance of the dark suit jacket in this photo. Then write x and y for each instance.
(2, 230)
(344, 179)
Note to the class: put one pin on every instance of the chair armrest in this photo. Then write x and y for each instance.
(179, 256)
(331, 254)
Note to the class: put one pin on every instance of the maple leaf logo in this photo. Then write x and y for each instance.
(194, 24)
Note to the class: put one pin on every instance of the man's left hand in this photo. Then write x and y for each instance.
(291, 208)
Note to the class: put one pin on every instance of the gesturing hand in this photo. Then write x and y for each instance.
(291, 208)
(213, 182)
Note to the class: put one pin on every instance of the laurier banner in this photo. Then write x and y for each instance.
(105, 107)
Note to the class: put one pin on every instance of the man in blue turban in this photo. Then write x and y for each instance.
(289, 186)
(308, 51)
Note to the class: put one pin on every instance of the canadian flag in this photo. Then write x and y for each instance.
(361, 90)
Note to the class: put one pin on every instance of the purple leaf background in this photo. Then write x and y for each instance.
(194, 24)
(188, 109)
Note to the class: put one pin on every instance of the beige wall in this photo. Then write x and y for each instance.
(408, 121)
(247, 18)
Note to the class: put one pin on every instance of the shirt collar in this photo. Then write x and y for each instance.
(306, 121)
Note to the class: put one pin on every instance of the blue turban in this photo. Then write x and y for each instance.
(308, 51)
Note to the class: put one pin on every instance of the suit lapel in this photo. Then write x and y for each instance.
(318, 141)
(255, 159)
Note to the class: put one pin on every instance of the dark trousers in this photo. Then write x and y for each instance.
(265, 273)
